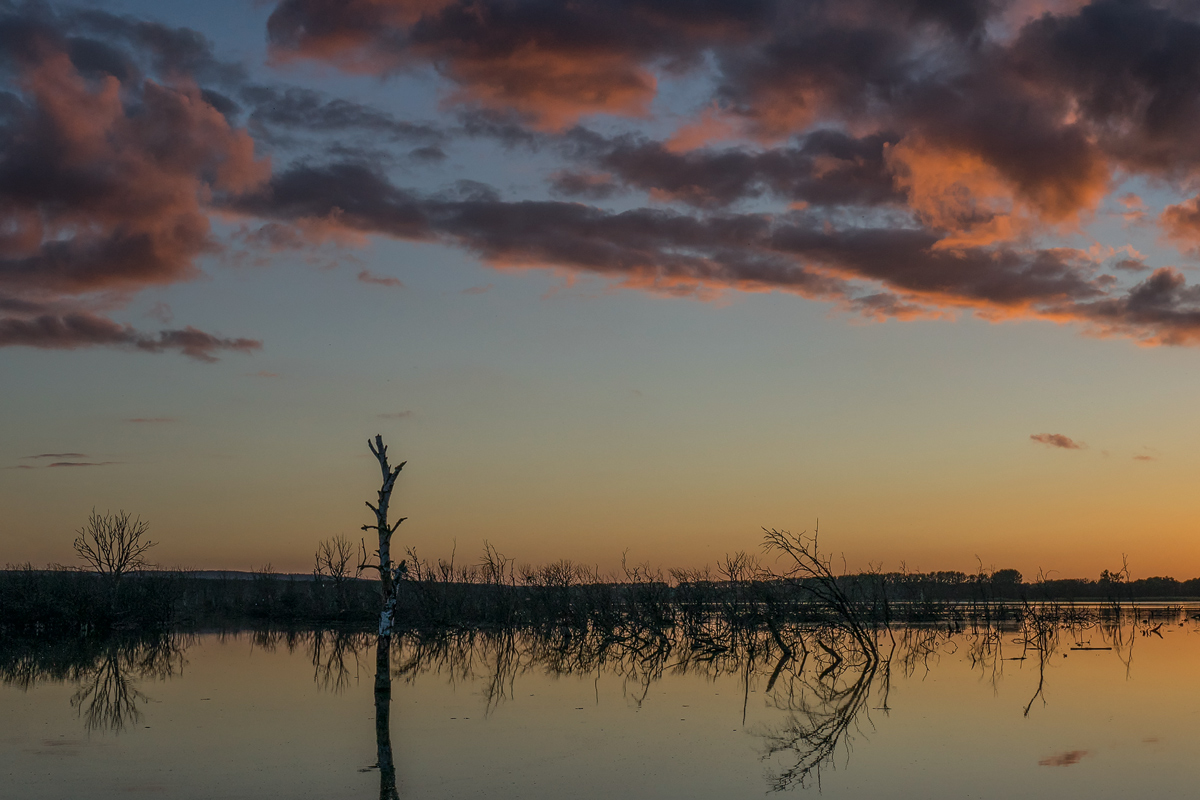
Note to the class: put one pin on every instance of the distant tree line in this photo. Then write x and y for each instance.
(494, 592)
(120, 590)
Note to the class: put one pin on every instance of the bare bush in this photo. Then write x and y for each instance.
(334, 558)
(114, 544)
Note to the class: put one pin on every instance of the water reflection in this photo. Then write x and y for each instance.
(826, 685)
(106, 671)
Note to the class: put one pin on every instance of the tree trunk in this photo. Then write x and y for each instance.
(387, 575)
(383, 709)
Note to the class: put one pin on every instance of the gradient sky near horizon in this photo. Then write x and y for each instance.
(636, 275)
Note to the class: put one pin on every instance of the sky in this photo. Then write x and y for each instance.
(627, 279)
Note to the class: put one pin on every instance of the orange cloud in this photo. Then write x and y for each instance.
(710, 126)
(1181, 224)
(105, 186)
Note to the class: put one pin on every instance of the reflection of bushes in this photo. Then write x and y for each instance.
(107, 671)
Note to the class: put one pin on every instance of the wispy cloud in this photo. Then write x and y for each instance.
(1145, 458)
(397, 415)
(1063, 759)
(478, 289)
(57, 455)
(152, 420)
(1057, 440)
(366, 276)
(81, 464)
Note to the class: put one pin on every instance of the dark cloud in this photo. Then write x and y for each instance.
(81, 464)
(1057, 440)
(1051, 104)
(167, 51)
(901, 158)
(553, 61)
(548, 60)
(57, 455)
(1131, 70)
(879, 271)
(1163, 305)
(430, 154)
(310, 112)
(827, 168)
(74, 331)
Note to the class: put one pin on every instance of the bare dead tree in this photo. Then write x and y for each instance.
(388, 575)
(333, 559)
(114, 544)
(332, 562)
(812, 573)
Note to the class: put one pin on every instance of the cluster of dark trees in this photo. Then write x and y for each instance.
(67, 601)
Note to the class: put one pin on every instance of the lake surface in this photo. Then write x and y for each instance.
(942, 714)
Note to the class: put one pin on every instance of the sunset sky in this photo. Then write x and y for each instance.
(635, 275)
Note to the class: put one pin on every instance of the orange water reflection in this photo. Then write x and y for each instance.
(1084, 710)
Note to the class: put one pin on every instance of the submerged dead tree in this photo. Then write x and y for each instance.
(388, 576)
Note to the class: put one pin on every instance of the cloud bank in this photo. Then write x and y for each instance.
(898, 159)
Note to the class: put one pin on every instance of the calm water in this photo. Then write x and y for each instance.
(950, 715)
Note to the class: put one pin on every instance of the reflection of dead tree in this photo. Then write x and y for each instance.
(825, 698)
(383, 716)
(107, 698)
(330, 652)
(1039, 632)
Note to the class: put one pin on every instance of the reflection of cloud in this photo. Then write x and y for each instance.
(1063, 759)
(1057, 440)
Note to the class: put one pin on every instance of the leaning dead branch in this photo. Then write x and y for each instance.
(811, 574)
